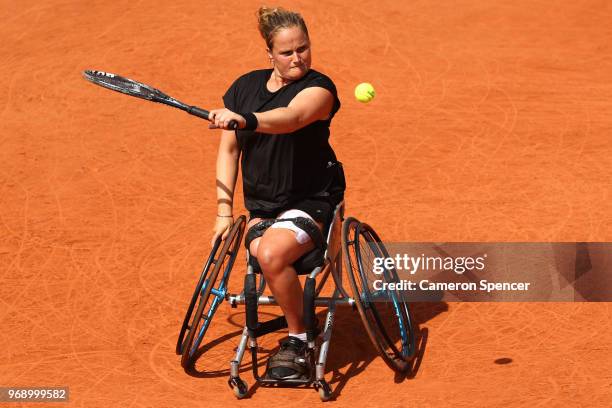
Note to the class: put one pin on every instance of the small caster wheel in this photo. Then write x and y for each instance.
(325, 392)
(239, 386)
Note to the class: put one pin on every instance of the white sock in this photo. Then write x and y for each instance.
(301, 336)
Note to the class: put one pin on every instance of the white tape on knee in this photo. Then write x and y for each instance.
(300, 235)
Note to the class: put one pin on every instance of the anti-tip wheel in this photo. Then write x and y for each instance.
(325, 392)
(239, 386)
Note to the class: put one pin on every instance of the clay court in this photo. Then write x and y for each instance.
(491, 123)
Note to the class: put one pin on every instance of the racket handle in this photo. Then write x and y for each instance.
(195, 111)
(202, 113)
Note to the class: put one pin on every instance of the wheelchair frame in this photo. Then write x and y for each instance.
(252, 296)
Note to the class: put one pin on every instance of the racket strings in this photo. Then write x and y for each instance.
(124, 85)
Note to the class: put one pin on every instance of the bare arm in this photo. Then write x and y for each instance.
(308, 106)
(227, 172)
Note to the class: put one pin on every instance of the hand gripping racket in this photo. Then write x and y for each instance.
(140, 90)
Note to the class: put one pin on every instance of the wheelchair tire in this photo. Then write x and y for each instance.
(210, 293)
(385, 314)
(196, 294)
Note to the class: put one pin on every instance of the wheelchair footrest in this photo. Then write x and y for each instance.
(306, 379)
(266, 380)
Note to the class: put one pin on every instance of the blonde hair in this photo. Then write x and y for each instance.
(272, 19)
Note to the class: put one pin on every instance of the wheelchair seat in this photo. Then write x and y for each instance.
(307, 262)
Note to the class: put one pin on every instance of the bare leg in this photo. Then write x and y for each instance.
(276, 251)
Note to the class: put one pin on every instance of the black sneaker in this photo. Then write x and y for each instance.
(289, 362)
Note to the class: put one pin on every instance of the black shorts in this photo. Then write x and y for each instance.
(320, 210)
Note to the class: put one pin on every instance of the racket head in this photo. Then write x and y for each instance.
(124, 85)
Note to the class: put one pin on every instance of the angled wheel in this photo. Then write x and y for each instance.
(384, 313)
(209, 294)
(214, 253)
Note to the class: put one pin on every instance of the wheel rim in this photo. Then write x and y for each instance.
(400, 309)
(194, 298)
(384, 319)
(211, 295)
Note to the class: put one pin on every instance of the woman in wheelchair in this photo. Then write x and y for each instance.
(292, 180)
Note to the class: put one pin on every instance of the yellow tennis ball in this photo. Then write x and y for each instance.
(364, 92)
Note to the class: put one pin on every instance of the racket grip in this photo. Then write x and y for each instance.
(195, 111)
(202, 113)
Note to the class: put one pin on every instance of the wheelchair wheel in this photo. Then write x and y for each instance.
(209, 293)
(384, 313)
(196, 294)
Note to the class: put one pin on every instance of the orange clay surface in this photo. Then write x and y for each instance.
(491, 123)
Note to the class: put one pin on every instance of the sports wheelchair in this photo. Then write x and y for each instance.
(384, 313)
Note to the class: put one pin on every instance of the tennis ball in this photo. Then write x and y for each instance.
(364, 92)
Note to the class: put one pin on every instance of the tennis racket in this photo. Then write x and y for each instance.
(140, 90)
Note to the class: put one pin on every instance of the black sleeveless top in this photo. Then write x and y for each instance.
(278, 170)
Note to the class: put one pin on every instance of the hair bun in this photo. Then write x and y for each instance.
(272, 19)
